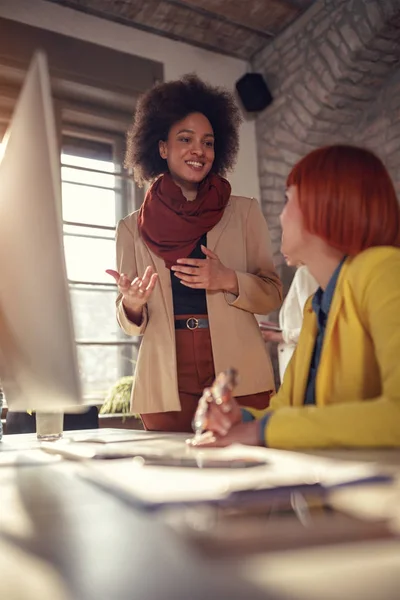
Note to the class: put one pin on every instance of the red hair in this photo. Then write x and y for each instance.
(347, 198)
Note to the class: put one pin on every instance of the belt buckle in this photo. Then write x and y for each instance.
(192, 323)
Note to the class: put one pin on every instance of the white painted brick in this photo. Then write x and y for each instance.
(333, 60)
(326, 76)
(351, 36)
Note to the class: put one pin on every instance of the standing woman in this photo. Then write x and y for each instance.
(194, 262)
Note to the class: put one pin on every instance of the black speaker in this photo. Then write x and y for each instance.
(253, 92)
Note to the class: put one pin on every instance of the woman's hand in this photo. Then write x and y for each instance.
(135, 293)
(241, 433)
(222, 417)
(269, 333)
(206, 273)
(272, 336)
(223, 424)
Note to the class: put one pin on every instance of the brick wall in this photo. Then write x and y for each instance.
(334, 78)
(379, 130)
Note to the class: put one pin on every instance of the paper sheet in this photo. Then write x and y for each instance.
(155, 485)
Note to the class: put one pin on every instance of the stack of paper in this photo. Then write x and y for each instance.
(155, 486)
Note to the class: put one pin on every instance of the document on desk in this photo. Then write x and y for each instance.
(154, 485)
(113, 436)
(156, 447)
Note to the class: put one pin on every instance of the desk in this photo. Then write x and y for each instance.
(63, 538)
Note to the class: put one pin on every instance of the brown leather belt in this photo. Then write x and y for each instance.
(191, 323)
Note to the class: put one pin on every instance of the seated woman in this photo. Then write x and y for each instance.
(342, 386)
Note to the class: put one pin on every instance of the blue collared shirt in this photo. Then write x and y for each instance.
(321, 304)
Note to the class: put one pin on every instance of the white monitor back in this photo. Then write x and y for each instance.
(38, 361)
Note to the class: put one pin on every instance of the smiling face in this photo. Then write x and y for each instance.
(189, 150)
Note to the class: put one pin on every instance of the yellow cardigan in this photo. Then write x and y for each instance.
(358, 379)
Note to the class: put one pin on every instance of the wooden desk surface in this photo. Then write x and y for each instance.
(62, 538)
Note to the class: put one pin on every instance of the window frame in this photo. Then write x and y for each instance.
(130, 199)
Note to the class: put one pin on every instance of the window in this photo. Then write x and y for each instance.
(95, 195)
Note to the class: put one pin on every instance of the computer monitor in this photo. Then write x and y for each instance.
(38, 358)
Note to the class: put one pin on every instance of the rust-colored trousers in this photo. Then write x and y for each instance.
(195, 372)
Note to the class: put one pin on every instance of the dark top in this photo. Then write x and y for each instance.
(189, 301)
(321, 304)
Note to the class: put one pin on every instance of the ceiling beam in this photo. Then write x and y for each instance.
(148, 29)
(265, 33)
(298, 5)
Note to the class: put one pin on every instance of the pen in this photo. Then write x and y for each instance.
(220, 392)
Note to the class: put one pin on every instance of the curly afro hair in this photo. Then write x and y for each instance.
(168, 103)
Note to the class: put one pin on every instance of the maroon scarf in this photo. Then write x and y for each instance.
(170, 225)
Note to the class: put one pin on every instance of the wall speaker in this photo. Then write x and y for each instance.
(253, 92)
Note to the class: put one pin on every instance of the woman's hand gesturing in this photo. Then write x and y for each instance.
(135, 293)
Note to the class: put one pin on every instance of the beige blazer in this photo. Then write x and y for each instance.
(241, 241)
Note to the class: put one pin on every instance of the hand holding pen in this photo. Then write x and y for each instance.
(217, 410)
